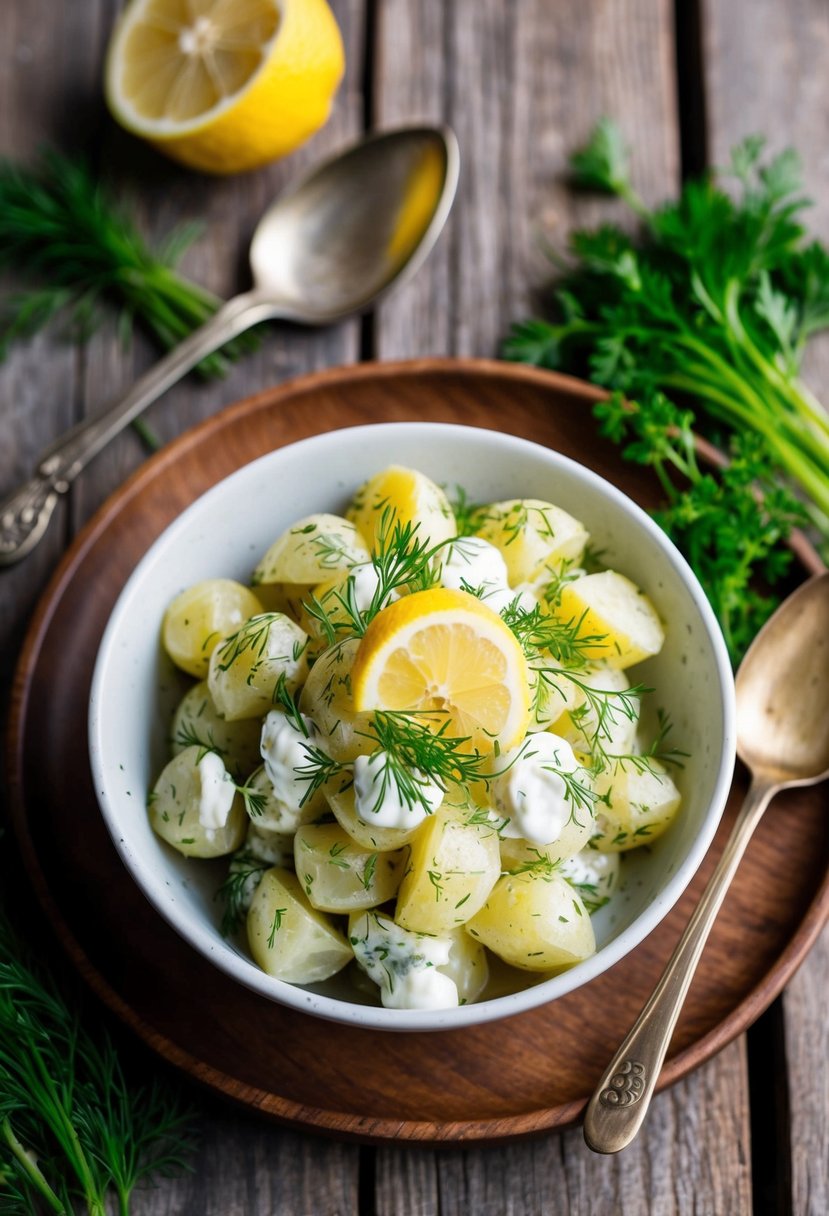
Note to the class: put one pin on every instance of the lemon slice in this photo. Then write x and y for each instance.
(224, 85)
(446, 653)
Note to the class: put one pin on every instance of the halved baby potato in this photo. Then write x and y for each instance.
(288, 938)
(199, 618)
(636, 803)
(312, 550)
(338, 875)
(534, 537)
(536, 921)
(245, 669)
(612, 610)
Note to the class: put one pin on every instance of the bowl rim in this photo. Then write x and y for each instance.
(244, 970)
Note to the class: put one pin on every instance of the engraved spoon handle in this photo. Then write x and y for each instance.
(25, 514)
(621, 1100)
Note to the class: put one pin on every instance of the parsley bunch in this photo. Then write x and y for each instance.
(713, 301)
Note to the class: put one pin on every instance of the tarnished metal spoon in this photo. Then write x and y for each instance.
(326, 249)
(783, 739)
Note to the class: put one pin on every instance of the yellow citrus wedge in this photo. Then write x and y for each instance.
(446, 653)
(224, 85)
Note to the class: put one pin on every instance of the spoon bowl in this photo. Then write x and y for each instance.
(339, 239)
(782, 692)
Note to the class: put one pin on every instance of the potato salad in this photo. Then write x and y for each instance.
(415, 738)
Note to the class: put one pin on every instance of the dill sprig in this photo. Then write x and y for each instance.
(243, 876)
(60, 227)
(537, 631)
(187, 736)
(410, 745)
(602, 710)
(401, 561)
(660, 752)
(72, 1128)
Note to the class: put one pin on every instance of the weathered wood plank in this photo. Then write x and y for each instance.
(765, 73)
(521, 85)
(45, 62)
(246, 1168)
(691, 1157)
(807, 1059)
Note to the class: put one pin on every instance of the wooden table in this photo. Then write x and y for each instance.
(521, 82)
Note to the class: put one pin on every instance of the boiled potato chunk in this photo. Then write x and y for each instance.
(453, 866)
(612, 609)
(197, 722)
(467, 966)
(609, 722)
(327, 700)
(535, 921)
(339, 876)
(245, 669)
(200, 617)
(311, 550)
(534, 537)
(288, 938)
(180, 811)
(275, 814)
(367, 835)
(636, 804)
(407, 497)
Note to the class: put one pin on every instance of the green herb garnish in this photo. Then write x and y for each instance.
(61, 227)
(714, 300)
(72, 1128)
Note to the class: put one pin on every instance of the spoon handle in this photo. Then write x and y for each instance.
(621, 1100)
(25, 514)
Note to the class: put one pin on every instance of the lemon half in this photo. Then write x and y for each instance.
(224, 85)
(444, 653)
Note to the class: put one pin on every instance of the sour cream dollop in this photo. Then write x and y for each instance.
(532, 795)
(403, 964)
(473, 564)
(217, 792)
(284, 749)
(379, 800)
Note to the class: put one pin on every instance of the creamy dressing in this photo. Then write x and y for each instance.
(284, 749)
(364, 583)
(379, 800)
(277, 848)
(403, 964)
(473, 564)
(217, 791)
(531, 795)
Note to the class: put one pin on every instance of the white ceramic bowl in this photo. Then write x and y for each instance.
(135, 689)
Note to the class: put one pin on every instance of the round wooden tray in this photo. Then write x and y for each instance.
(460, 1085)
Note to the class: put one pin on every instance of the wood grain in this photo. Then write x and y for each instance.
(313, 1075)
(765, 72)
(559, 1176)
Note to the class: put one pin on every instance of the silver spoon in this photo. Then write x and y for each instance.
(783, 739)
(326, 249)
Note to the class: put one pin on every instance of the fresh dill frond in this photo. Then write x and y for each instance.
(72, 1126)
(467, 514)
(187, 736)
(61, 228)
(659, 753)
(255, 800)
(538, 631)
(235, 892)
